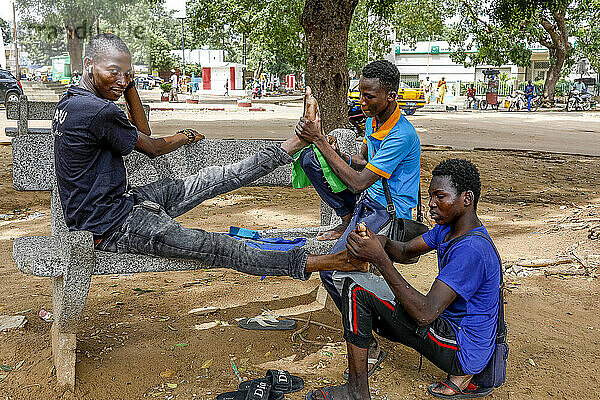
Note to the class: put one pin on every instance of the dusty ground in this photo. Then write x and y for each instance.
(128, 339)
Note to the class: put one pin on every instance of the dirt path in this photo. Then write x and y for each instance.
(128, 339)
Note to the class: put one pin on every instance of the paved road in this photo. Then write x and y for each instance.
(574, 133)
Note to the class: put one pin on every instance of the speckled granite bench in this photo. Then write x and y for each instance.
(69, 258)
(24, 111)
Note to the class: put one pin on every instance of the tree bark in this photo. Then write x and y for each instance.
(558, 51)
(75, 48)
(326, 24)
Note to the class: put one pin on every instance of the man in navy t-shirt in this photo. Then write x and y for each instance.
(454, 324)
(91, 137)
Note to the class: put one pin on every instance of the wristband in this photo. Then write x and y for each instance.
(129, 86)
(349, 159)
(190, 135)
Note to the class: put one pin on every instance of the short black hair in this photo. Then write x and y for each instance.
(463, 175)
(388, 74)
(105, 43)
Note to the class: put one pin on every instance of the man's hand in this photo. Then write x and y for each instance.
(333, 142)
(365, 245)
(310, 130)
(192, 135)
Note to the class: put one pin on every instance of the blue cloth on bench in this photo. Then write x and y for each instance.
(253, 239)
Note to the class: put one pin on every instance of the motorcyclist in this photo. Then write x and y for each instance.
(529, 89)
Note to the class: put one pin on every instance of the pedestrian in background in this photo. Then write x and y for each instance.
(529, 89)
(174, 81)
(441, 86)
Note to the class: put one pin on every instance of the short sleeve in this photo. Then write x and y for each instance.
(111, 127)
(431, 237)
(465, 270)
(393, 150)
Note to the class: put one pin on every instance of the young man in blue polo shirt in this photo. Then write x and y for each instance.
(454, 324)
(391, 150)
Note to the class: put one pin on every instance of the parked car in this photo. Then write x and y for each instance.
(10, 87)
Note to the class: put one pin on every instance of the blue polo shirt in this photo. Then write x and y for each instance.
(473, 272)
(394, 153)
(91, 136)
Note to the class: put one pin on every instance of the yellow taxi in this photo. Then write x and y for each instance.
(408, 99)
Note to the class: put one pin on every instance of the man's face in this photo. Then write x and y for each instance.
(111, 74)
(374, 99)
(445, 205)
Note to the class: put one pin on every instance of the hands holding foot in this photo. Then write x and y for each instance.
(309, 127)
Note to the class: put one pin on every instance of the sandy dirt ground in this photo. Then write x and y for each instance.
(138, 339)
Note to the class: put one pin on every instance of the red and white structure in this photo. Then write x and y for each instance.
(216, 75)
(290, 82)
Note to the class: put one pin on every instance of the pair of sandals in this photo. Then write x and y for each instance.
(273, 386)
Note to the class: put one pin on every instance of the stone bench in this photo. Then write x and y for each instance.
(69, 258)
(24, 111)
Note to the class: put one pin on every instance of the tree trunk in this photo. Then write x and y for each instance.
(552, 78)
(75, 48)
(326, 24)
(558, 51)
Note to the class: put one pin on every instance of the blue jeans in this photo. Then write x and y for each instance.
(150, 228)
(343, 203)
(375, 216)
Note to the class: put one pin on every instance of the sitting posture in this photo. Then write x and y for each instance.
(391, 150)
(454, 325)
(91, 136)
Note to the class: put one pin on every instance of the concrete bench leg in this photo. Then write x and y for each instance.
(69, 294)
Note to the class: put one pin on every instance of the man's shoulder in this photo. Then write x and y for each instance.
(403, 128)
(89, 104)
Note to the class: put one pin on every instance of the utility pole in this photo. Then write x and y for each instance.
(17, 66)
(244, 61)
(182, 45)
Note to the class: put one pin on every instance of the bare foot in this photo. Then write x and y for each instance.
(462, 382)
(343, 261)
(336, 232)
(336, 393)
(311, 106)
(333, 234)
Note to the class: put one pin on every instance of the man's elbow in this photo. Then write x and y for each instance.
(428, 317)
(358, 187)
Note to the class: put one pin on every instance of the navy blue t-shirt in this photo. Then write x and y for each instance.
(91, 136)
(473, 272)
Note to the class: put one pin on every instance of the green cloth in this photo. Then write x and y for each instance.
(300, 180)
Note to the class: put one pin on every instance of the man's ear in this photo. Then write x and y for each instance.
(87, 65)
(469, 198)
(392, 96)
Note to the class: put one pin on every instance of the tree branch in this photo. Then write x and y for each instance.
(488, 27)
(549, 27)
(545, 42)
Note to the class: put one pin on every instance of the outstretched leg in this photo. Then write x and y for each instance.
(155, 232)
(178, 196)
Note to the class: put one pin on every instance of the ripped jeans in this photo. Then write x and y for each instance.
(150, 229)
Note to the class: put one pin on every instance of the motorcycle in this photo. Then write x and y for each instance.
(518, 101)
(579, 101)
(356, 117)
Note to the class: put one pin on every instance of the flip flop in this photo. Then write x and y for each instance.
(324, 392)
(267, 322)
(256, 391)
(373, 364)
(470, 392)
(279, 380)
